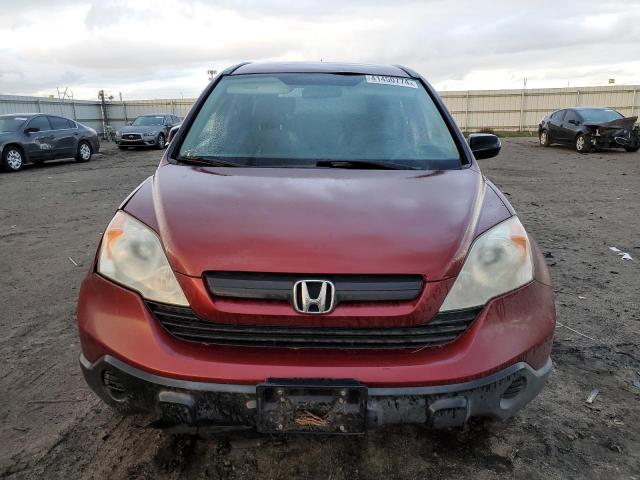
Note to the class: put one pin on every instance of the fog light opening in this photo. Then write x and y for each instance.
(516, 387)
(113, 384)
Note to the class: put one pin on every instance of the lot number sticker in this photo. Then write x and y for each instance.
(397, 81)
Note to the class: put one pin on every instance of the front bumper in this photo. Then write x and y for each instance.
(130, 390)
(143, 142)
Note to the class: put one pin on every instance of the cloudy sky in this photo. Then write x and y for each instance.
(163, 48)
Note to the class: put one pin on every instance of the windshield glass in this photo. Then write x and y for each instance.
(11, 124)
(299, 119)
(599, 115)
(148, 120)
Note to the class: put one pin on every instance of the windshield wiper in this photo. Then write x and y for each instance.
(205, 161)
(364, 164)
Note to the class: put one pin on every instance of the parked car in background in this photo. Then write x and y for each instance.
(172, 133)
(318, 251)
(36, 138)
(589, 127)
(146, 131)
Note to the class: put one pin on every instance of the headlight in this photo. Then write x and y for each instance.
(149, 134)
(118, 134)
(499, 261)
(131, 254)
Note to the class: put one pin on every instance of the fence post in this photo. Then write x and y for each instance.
(521, 110)
(39, 107)
(124, 109)
(633, 102)
(73, 105)
(466, 115)
(577, 97)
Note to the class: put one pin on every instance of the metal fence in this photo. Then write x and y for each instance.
(506, 110)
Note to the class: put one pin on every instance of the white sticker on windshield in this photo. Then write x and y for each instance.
(22, 119)
(398, 81)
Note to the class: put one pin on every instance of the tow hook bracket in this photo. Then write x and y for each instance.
(449, 412)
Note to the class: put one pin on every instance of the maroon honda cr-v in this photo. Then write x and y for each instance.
(317, 252)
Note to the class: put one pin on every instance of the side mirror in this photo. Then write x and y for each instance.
(129, 123)
(484, 145)
(31, 130)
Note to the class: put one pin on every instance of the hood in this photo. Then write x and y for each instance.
(625, 123)
(315, 221)
(6, 136)
(141, 129)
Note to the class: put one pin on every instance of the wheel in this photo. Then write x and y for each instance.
(544, 138)
(583, 143)
(84, 152)
(12, 159)
(122, 147)
(632, 149)
(160, 142)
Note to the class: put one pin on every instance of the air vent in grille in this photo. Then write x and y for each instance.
(184, 324)
(349, 288)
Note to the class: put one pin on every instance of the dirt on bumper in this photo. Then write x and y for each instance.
(313, 406)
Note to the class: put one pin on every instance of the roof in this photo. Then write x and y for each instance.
(27, 115)
(320, 67)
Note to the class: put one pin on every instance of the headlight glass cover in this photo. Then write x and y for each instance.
(131, 254)
(498, 261)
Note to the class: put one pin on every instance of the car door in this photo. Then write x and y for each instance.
(570, 126)
(65, 137)
(39, 140)
(555, 126)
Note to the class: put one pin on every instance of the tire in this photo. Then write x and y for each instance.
(84, 152)
(544, 138)
(12, 159)
(122, 147)
(160, 141)
(583, 143)
(632, 149)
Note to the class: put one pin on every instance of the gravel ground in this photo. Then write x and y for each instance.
(52, 426)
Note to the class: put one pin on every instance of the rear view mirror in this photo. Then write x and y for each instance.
(484, 145)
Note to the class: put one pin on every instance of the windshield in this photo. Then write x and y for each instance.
(300, 119)
(599, 115)
(148, 120)
(11, 124)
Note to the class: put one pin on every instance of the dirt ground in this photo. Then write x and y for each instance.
(52, 426)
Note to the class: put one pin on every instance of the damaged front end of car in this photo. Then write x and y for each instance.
(620, 133)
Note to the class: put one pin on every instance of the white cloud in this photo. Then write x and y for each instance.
(147, 48)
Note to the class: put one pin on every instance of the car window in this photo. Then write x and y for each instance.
(297, 119)
(599, 115)
(11, 124)
(59, 123)
(41, 123)
(147, 120)
(571, 115)
(558, 115)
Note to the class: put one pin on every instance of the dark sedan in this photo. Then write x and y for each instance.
(587, 128)
(35, 137)
(146, 131)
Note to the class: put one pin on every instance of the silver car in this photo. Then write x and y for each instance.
(146, 131)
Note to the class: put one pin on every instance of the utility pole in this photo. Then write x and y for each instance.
(524, 87)
(103, 111)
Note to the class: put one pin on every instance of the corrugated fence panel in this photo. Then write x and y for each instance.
(472, 109)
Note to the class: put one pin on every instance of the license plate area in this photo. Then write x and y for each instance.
(311, 406)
